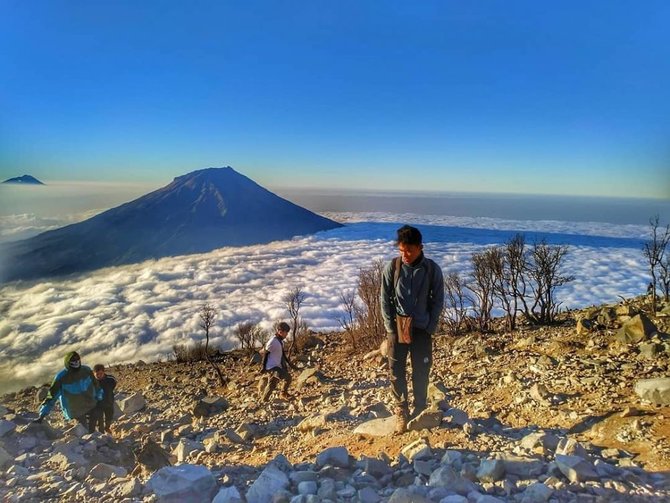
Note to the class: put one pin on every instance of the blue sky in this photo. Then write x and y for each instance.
(486, 96)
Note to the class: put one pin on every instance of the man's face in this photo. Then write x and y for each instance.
(409, 253)
(282, 333)
(99, 374)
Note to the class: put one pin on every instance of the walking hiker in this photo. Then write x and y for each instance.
(77, 390)
(105, 413)
(412, 297)
(276, 363)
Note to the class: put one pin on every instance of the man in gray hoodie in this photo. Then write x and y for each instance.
(412, 298)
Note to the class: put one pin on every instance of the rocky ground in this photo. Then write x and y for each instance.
(574, 412)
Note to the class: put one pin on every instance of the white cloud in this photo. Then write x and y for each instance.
(140, 311)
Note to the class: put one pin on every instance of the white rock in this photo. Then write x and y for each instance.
(575, 468)
(382, 427)
(491, 470)
(654, 390)
(103, 471)
(5, 457)
(177, 484)
(335, 456)
(416, 450)
(537, 492)
(132, 404)
(445, 476)
(228, 495)
(185, 447)
(6, 427)
(270, 481)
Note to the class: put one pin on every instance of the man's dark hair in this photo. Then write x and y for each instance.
(98, 366)
(409, 235)
(283, 326)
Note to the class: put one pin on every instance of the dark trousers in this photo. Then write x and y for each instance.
(421, 354)
(89, 419)
(275, 375)
(105, 415)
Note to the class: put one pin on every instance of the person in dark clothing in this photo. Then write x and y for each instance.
(76, 388)
(412, 298)
(105, 413)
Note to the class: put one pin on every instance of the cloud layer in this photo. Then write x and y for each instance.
(127, 313)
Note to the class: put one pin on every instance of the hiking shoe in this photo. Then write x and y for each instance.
(401, 419)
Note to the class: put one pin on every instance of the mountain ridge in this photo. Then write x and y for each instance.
(195, 213)
(24, 180)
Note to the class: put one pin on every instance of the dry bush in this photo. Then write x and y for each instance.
(251, 336)
(293, 301)
(457, 302)
(654, 251)
(195, 352)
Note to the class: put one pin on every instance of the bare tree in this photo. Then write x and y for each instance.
(654, 250)
(207, 316)
(517, 264)
(456, 302)
(502, 288)
(544, 272)
(664, 277)
(250, 336)
(348, 319)
(293, 301)
(483, 279)
(369, 314)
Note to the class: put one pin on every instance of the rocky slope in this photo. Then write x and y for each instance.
(544, 414)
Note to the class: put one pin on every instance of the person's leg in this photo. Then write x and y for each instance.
(270, 386)
(285, 375)
(100, 420)
(421, 352)
(398, 369)
(92, 419)
(109, 416)
(398, 375)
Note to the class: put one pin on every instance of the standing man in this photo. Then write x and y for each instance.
(276, 363)
(107, 383)
(412, 297)
(77, 390)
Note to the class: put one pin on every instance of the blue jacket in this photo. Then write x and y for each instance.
(76, 389)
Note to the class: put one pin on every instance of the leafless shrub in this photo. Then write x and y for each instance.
(207, 315)
(185, 353)
(654, 251)
(457, 300)
(348, 319)
(482, 283)
(251, 336)
(369, 320)
(293, 301)
(545, 276)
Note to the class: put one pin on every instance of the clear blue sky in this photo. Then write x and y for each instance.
(487, 96)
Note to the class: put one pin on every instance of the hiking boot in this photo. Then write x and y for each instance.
(401, 419)
(285, 396)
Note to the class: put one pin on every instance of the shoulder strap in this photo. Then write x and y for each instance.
(397, 264)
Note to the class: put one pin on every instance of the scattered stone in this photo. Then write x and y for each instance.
(134, 403)
(635, 330)
(335, 456)
(654, 390)
(182, 483)
(271, 481)
(228, 495)
(377, 427)
(426, 420)
(416, 450)
(575, 468)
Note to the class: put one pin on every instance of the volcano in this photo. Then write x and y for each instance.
(197, 212)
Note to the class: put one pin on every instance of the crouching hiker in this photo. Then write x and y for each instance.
(276, 363)
(107, 383)
(77, 390)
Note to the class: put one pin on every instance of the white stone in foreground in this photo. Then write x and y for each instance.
(270, 481)
(179, 484)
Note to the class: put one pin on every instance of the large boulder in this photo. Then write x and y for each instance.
(635, 330)
(271, 481)
(133, 403)
(183, 483)
(654, 390)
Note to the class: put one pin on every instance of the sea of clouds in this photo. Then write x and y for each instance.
(127, 313)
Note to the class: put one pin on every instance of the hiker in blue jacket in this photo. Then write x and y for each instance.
(76, 388)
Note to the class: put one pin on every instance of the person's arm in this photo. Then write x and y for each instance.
(387, 296)
(50, 400)
(112, 381)
(436, 299)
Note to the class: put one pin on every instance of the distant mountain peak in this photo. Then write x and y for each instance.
(195, 213)
(24, 180)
